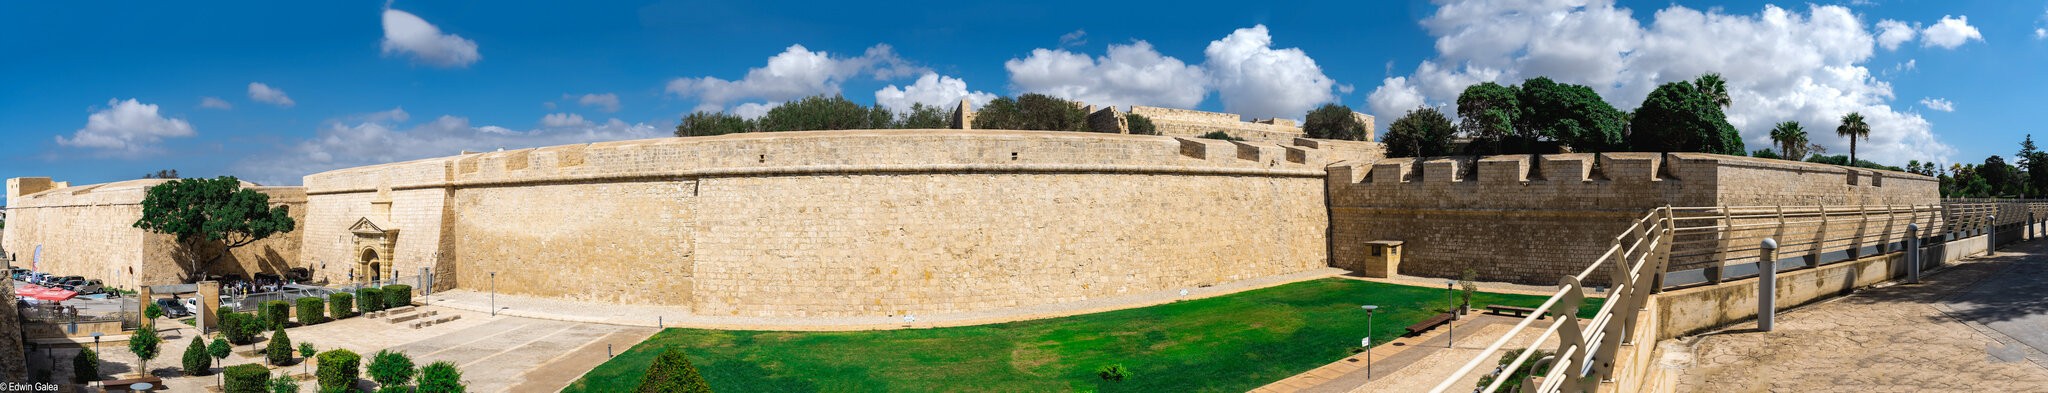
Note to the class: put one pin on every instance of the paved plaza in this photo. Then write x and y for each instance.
(1979, 326)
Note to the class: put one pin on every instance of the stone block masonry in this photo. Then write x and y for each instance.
(89, 231)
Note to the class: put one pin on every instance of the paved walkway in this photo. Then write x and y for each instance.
(669, 316)
(1410, 364)
(1975, 327)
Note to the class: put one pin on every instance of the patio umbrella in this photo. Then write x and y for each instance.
(55, 295)
(27, 290)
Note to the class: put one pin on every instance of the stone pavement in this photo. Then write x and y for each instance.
(1411, 364)
(1965, 329)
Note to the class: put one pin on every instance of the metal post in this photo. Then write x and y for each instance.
(1913, 254)
(1767, 285)
(1368, 339)
(1451, 328)
(1991, 235)
(494, 294)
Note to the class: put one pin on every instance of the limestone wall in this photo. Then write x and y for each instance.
(88, 231)
(857, 222)
(1192, 123)
(1513, 221)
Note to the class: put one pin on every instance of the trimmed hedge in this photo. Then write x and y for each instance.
(85, 367)
(397, 295)
(341, 305)
(279, 352)
(197, 361)
(240, 329)
(441, 377)
(246, 378)
(369, 299)
(310, 311)
(276, 314)
(338, 369)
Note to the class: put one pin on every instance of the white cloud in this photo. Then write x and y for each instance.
(382, 138)
(1133, 74)
(795, 73)
(1781, 65)
(405, 33)
(559, 120)
(1076, 38)
(215, 103)
(2040, 33)
(1939, 104)
(931, 89)
(607, 102)
(1950, 33)
(1253, 79)
(754, 110)
(264, 93)
(126, 128)
(1393, 99)
(1891, 33)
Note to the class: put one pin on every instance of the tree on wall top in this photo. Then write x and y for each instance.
(1332, 121)
(217, 211)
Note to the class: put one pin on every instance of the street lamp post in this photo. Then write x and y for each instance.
(1451, 332)
(494, 294)
(1368, 339)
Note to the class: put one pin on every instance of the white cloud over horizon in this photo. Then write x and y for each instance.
(1250, 77)
(126, 129)
(607, 102)
(264, 93)
(384, 137)
(795, 73)
(405, 33)
(1780, 65)
(932, 90)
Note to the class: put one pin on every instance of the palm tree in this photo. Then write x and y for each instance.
(1714, 88)
(1854, 128)
(1791, 140)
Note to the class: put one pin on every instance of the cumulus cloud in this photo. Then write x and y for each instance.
(1939, 104)
(931, 89)
(754, 110)
(1395, 97)
(1891, 33)
(795, 73)
(382, 137)
(607, 102)
(2040, 33)
(1133, 74)
(405, 33)
(266, 94)
(560, 120)
(1780, 65)
(126, 128)
(1250, 76)
(1254, 79)
(1950, 33)
(215, 103)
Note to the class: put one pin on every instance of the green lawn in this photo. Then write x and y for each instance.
(1230, 343)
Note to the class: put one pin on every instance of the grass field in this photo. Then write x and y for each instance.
(1229, 343)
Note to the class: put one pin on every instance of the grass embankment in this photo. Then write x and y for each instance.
(1228, 343)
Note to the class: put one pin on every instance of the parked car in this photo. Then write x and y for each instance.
(173, 309)
(89, 287)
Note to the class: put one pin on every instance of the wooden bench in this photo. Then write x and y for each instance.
(1517, 311)
(127, 384)
(1430, 323)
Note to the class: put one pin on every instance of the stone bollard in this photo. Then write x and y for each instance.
(1913, 254)
(1767, 285)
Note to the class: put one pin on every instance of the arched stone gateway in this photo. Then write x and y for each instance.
(373, 244)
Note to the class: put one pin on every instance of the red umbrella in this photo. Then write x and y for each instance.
(28, 290)
(55, 295)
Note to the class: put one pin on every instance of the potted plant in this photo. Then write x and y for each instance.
(1468, 287)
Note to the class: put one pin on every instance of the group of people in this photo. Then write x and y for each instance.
(261, 285)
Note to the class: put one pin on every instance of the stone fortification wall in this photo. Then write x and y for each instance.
(861, 222)
(1192, 123)
(1513, 221)
(89, 231)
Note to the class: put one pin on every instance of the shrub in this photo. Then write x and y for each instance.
(279, 351)
(219, 350)
(197, 361)
(1333, 121)
(341, 305)
(306, 350)
(310, 311)
(284, 384)
(397, 296)
(1141, 125)
(1114, 372)
(245, 378)
(672, 372)
(1515, 378)
(153, 311)
(144, 344)
(391, 368)
(338, 369)
(441, 377)
(239, 328)
(369, 299)
(1221, 136)
(85, 367)
(276, 314)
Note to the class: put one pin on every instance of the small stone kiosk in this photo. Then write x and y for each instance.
(1383, 258)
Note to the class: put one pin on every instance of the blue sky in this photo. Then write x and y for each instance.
(272, 91)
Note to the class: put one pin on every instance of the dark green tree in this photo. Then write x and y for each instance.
(279, 350)
(1032, 112)
(1489, 113)
(1676, 117)
(713, 123)
(1332, 121)
(144, 343)
(2004, 181)
(85, 367)
(2035, 163)
(1571, 114)
(672, 372)
(1423, 132)
(215, 215)
(197, 362)
(284, 384)
(338, 369)
(162, 174)
(441, 377)
(219, 350)
(821, 113)
(1791, 140)
(1714, 88)
(1853, 128)
(1765, 153)
(390, 368)
(923, 116)
(1141, 125)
